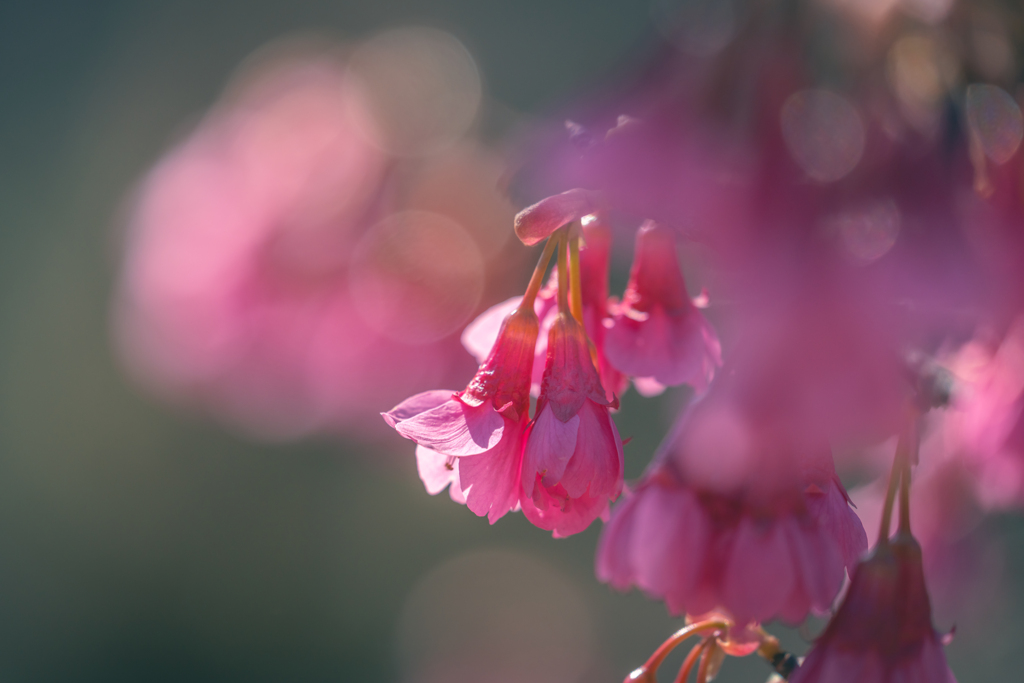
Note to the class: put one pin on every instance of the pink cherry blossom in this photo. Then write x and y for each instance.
(472, 440)
(656, 332)
(883, 630)
(572, 465)
(735, 514)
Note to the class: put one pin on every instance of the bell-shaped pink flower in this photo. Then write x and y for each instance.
(962, 561)
(656, 332)
(883, 631)
(572, 465)
(736, 514)
(473, 439)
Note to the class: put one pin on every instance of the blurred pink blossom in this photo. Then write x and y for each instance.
(656, 334)
(271, 276)
(758, 523)
(883, 630)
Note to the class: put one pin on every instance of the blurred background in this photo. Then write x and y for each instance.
(151, 533)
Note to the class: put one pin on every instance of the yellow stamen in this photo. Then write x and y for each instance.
(574, 271)
(538, 273)
(563, 274)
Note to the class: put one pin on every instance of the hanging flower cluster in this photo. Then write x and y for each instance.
(859, 202)
(859, 229)
(564, 466)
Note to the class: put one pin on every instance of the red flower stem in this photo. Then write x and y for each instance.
(680, 636)
(705, 662)
(574, 271)
(691, 659)
(537, 279)
(563, 275)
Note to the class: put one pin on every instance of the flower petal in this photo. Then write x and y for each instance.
(435, 471)
(479, 336)
(453, 428)
(492, 478)
(550, 445)
(759, 575)
(414, 405)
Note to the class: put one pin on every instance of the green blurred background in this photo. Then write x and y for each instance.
(142, 544)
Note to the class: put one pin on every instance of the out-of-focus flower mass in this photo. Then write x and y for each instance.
(852, 174)
(311, 250)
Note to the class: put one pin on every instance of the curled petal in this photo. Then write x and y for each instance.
(414, 405)
(453, 428)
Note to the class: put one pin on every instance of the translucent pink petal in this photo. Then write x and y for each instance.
(480, 335)
(492, 478)
(550, 445)
(417, 404)
(595, 464)
(614, 563)
(559, 514)
(670, 349)
(670, 542)
(818, 565)
(436, 472)
(453, 428)
(835, 516)
(759, 575)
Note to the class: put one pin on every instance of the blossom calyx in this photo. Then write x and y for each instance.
(570, 377)
(504, 378)
(883, 630)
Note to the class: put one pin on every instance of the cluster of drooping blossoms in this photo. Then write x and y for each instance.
(736, 564)
(856, 231)
(564, 466)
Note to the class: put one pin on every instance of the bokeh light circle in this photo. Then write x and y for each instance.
(416, 276)
(995, 121)
(423, 88)
(823, 132)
